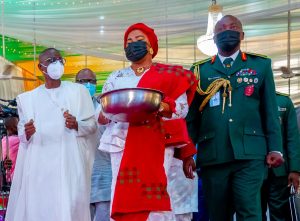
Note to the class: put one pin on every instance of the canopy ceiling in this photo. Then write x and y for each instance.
(96, 27)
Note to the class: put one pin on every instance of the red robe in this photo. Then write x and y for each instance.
(141, 185)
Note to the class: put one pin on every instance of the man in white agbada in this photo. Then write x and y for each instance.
(53, 169)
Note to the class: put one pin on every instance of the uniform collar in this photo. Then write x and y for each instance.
(240, 62)
(233, 56)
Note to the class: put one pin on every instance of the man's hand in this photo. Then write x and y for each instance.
(71, 122)
(188, 167)
(7, 164)
(29, 129)
(274, 159)
(293, 179)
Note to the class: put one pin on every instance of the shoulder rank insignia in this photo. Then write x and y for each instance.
(213, 59)
(282, 94)
(244, 56)
(203, 61)
(258, 55)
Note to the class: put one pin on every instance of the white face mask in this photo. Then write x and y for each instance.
(55, 70)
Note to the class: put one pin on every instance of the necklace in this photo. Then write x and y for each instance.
(140, 70)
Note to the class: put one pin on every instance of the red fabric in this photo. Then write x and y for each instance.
(171, 103)
(141, 183)
(3, 202)
(147, 31)
(175, 132)
(184, 152)
(172, 80)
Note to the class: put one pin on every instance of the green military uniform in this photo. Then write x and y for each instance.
(275, 191)
(233, 139)
(298, 117)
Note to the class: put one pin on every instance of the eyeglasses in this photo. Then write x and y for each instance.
(92, 81)
(54, 59)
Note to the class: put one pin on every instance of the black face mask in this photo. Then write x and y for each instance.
(228, 40)
(136, 50)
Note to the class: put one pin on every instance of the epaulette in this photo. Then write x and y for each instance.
(282, 94)
(202, 61)
(258, 55)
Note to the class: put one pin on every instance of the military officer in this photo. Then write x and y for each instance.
(275, 191)
(234, 121)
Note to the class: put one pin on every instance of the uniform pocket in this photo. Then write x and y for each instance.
(255, 141)
(207, 150)
(206, 136)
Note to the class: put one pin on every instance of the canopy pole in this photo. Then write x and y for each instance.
(195, 39)
(2, 28)
(34, 45)
(289, 45)
(167, 37)
(86, 60)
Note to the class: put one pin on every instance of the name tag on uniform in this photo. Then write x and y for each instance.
(213, 78)
(281, 108)
(215, 100)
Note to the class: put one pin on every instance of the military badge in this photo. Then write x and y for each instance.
(246, 80)
(281, 108)
(239, 80)
(249, 90)
(246, 72)
(255, 80)
(250, 80)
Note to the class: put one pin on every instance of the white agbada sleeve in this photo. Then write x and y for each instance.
(83, 109)
(24, 117)
(53, 173)
(25, 114)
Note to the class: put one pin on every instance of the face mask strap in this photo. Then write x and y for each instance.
(43, 65)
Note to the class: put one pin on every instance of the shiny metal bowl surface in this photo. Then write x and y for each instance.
(133, 105)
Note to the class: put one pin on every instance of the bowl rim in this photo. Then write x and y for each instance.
(126, 89)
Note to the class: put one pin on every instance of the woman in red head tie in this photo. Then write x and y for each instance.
(141, 154)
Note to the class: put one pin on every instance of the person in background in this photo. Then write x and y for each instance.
(52, 178)
(101, 174)
(141, 154)
(275, 191)
(233, 119)
(298, 117)
(87, 78)
(11, 125)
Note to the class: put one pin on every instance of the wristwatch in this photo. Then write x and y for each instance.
(274, 151)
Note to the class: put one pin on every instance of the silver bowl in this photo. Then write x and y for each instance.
(133, 105)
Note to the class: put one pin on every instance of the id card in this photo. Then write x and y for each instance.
(215, 100)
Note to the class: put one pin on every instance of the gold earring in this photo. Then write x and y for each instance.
(151, 51)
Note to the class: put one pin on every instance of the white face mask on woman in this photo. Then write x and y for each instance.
(55, 70)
